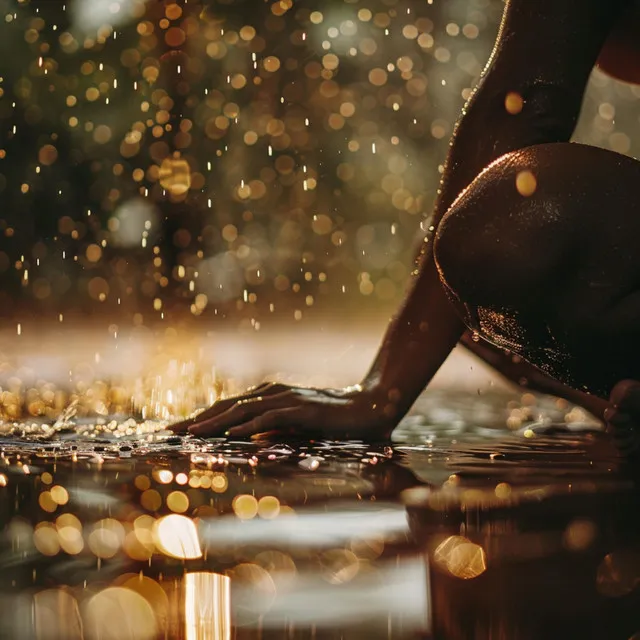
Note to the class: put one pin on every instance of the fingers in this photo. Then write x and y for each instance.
(183, 425)
(241, 412)
(221, 406)
(273, 420)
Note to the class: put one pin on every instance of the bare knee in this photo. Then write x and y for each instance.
(506, 236)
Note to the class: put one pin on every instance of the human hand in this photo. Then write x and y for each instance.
(332, 413)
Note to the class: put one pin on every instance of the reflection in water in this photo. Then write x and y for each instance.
(384, 599)
(176, 536)
(461, 557)
(207, 606)
(619, 573)
(56, 615)
(312, 528)
(117, 613)
(148, 535)
(553, 556)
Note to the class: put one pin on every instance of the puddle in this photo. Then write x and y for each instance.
(458, 528)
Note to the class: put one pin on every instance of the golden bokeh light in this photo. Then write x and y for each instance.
(118, 613)
(163, 476)
(176, 536)
(59, 495)
(339, 566)
(56, 615)
(178, 502)
(45, 539)
(245, 507)
(106, 538)
(175, 176)
(461, 557)
(268, 507)
(526, 183)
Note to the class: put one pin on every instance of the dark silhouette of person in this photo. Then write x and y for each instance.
(533, 259)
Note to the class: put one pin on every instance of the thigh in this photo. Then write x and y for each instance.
(540, 254)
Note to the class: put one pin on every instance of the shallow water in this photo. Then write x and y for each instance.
(459, 529)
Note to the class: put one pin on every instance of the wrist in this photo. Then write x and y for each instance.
(384, 403)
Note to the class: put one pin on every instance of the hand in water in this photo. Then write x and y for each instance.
(332, 413)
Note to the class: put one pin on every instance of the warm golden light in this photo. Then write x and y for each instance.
(513, 103)
(45, 539)
(268, 507)
(71, 540)
(120, 614)
(175, 176)
(106, 538)
(177, 501)
(207, 606)
(461, 557)
(163, 476)
(153, 593)
(526, 183)
(68, 520)
(176, 536)
(56, 615)
(59, 495)
(151, 500)
(339, 565)
(46, 502)
(219, 483)
(580, 534)
(245, 507)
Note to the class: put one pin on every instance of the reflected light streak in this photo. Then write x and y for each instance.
(401, 587)
(207, 606)
(308, 529)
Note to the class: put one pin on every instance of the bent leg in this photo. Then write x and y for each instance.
(540, 255)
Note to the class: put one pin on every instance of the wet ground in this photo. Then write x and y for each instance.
(491, 515)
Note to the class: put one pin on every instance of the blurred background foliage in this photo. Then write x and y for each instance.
(234, 159)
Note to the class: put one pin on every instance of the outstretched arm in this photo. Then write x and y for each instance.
(530, 93)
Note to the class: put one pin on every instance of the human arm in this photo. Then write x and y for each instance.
(525, 375)
(530, 93)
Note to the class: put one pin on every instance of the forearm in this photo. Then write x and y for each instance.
(416, 343)
(525, 375)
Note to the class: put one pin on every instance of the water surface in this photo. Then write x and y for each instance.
(460, 527)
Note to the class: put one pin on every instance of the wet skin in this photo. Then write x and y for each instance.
(533, 248)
